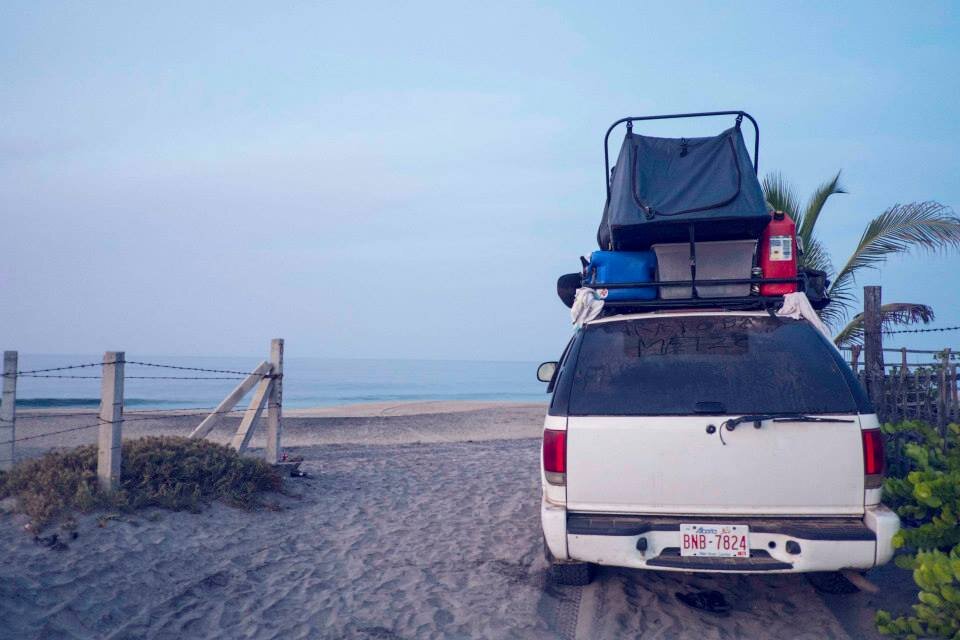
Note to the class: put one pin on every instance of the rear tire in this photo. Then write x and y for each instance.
(571, 574)
(832, 582)
(567, 573)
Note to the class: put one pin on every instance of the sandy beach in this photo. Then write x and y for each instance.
(417, 521)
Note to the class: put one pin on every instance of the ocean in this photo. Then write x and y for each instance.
(307, 382)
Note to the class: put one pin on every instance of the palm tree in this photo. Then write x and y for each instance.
(928, 226)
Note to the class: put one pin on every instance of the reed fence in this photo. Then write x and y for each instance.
(917, 384)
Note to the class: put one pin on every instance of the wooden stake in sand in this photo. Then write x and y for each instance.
(275, 402)
(241, 439)
(111, 420)
(268, 379)
(8, 410)
(205, 427)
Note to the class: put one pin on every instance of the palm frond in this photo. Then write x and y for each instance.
(815, 256)
(780, 194)
(843, 299)
(815, 206)
(833, 314)
(927, 226)
(891, 315)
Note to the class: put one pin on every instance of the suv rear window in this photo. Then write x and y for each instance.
(726, 364)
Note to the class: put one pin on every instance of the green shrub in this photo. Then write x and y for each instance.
(924, 489)
(924, 485)
(171, 472)
(938, 613)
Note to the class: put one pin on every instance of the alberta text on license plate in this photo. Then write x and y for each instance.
(715, 540)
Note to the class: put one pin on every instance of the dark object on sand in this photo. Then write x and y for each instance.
(51, 542)
(291, 466)
(709, 601)
(567, 286)
(832, 582)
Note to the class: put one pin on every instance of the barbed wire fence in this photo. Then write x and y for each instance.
(18, 427)
(908, 383)
(925, 330)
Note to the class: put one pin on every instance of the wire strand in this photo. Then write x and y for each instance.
(51, 433)
(33, 416)
(936, 330)
(32, 372)
(94, 410)
(126, 377)
(180, 415)
(122, 420)
(64, 368)
(171, 366)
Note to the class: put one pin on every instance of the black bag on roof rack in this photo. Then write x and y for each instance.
(816, 285)
(567, 286)
(661, 186)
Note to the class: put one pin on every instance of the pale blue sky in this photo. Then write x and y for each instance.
(408, 180)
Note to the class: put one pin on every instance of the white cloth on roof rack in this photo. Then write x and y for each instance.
(587, 305)
(796, 306)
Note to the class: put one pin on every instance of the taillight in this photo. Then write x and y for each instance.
(872, 458)
(555, 456)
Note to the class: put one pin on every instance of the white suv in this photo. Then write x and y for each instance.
(717, 441)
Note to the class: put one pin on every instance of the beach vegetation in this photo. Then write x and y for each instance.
(924, 488)
(171, 472)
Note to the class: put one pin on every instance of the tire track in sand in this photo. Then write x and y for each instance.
(642, 604)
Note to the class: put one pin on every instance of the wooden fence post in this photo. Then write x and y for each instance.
(902, 398)
(943, 396)
(954, 408)
(111, 420)
(8, 410)
(275, 402)
(873, 349)
(855, 358)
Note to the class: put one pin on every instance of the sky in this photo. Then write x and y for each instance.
(407, 180)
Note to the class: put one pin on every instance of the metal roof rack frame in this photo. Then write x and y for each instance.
(703, 114)
(753, 301)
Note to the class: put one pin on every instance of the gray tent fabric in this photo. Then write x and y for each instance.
(662, 186)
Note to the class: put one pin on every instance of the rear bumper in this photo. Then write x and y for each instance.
(825, 544)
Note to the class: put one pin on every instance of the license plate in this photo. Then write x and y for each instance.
(715, 540)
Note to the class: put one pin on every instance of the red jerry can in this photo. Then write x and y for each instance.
(778, 254)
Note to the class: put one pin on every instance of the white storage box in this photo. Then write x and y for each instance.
(720, 260)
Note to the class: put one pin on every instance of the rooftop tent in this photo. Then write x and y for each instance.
(661, 186)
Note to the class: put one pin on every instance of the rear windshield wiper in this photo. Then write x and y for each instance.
(799, 418)
(758, 419)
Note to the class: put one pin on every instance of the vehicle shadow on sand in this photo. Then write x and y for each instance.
(633, 603)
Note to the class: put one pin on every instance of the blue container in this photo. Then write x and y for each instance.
(618, 267)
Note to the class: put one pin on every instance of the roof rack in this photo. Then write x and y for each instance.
(753, 301)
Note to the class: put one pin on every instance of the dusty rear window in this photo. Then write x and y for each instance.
(727, 364)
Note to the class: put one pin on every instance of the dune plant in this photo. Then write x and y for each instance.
(924, 489)
(937, 615)
(900, 229)
(176, 473)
